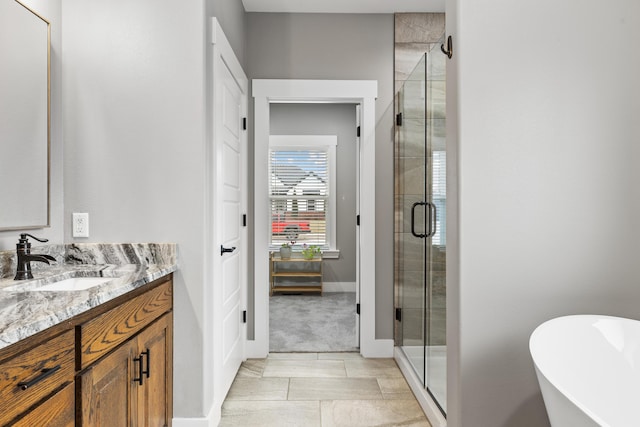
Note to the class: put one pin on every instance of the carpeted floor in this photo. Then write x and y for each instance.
(314, 323)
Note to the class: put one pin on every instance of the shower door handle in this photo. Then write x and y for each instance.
(432, 222)
(413, 220)
(433, 217)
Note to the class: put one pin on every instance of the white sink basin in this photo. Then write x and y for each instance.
(73, 284)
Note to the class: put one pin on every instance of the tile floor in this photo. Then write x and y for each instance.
(320, 389)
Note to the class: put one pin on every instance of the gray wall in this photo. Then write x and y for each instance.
(543, 112)
(358, 47)
(135, 75)
(330, 119)
(232, 19)
(51, 11)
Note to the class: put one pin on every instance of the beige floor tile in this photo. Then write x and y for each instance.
(259, 389)
(293, 356)
(334, 389)
(270, 414)
(313, 389)
(367, 413)
(304, 368)
(339, 356)
(251, 368)
(378, 368)
(395, 388)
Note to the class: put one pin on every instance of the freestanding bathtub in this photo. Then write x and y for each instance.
(588, 367)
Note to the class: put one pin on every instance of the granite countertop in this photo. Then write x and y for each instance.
(27, 311)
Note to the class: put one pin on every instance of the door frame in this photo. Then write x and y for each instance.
(359, 92)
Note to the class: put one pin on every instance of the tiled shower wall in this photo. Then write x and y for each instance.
(417, 34)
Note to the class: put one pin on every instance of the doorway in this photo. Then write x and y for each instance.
(363, 94)
(313, 152)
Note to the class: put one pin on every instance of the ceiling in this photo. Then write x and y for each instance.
(344, 6)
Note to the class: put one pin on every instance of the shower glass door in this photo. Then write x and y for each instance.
(420, 232)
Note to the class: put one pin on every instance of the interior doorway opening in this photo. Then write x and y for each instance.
(313, 175)
(361, 93)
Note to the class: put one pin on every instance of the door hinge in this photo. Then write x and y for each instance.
(358, 220)
(399, 119)
(244, 123)
(358, 131)
(358, 308)
(399, 314)
(244, 220)
(244, 316)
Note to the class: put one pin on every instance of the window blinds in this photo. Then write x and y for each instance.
(299, 195)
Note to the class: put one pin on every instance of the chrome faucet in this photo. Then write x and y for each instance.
(23, 248)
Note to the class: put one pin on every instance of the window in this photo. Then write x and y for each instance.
(302, 190)
(440, 196)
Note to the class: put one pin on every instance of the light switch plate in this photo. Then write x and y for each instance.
(80, 224)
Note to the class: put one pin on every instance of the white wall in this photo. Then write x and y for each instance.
(544, 110)
(137, 120)
(51, 11)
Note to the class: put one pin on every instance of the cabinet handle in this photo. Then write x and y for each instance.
(148, 354)
(45, 373)
(140, 379)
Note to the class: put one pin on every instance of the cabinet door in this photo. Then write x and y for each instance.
(107, 390)
(155, 394)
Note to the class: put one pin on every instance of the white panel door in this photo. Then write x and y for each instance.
(228, 199)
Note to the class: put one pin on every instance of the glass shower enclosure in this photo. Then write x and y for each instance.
(420, 224)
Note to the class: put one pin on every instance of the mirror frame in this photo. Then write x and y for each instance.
(48, 173)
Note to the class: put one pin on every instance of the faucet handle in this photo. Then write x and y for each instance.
(23, 238)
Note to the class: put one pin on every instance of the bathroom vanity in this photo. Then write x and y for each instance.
(95, 356)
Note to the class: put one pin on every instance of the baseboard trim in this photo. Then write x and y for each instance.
(211, 420)
(427, 404)
(339, 287)
(376, 348)
(193, 422)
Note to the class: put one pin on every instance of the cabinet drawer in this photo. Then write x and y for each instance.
(57, 411)
(105, 332)
(27, 378)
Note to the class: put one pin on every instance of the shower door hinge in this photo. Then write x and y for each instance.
(244, 123)
(244, 316)
(358, 308)
(399, 119)
(399, 314)
(358, 220)
(358, 131)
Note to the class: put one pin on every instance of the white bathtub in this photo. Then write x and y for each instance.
(588, 367)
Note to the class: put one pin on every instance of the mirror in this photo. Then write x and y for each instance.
(24, 117)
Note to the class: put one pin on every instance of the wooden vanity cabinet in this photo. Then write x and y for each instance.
(131, 386)
(126, 357)
(110, 366)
